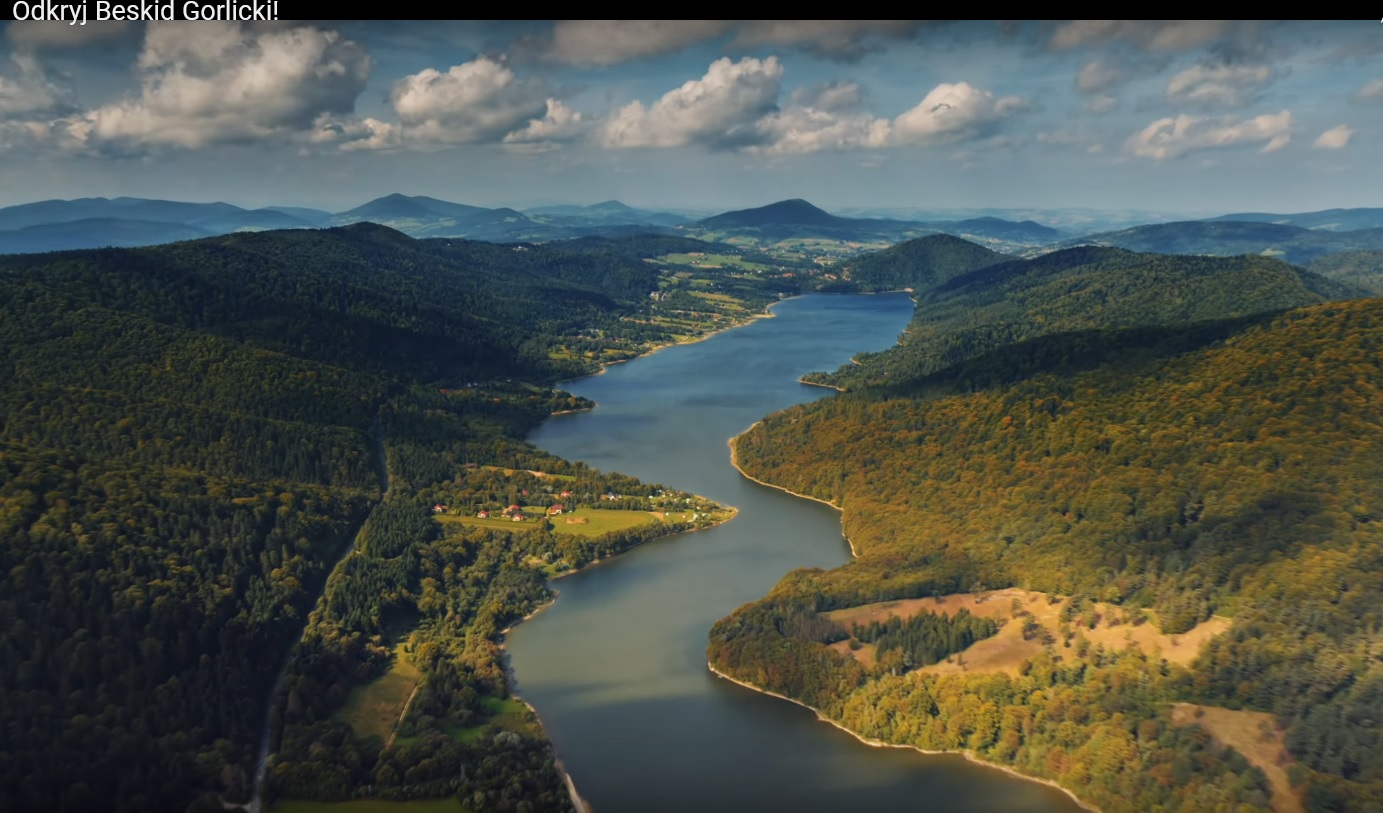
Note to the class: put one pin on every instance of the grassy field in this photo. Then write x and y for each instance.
(371, 806)
(723, 299)
(1255, 735)
(597, 521)
(1006, 651)
(712, 261)
(373, 709)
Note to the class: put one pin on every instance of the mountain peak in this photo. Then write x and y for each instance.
(793, 212)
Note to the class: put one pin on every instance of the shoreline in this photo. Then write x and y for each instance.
(604, 365)
(876, 743)
(512, 679)
(870, 741)
(510, 676)
(735, 462)
(734, 512)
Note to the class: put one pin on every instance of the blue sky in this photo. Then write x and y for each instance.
(1176, 116)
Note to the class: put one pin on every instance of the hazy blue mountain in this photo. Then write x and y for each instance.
(795, 212)
(608, 212)
(1326, 219)
(397, 207)
(96, 232)
(66, 211)
(1294, 244)
(313, 216)
(1027, 231)
(252, 220)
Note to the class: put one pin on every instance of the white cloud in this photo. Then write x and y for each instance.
(1371, 92)
(608, 42)
(1175, 137)
(351, 133)
(1335, 138)
(207, 83)
(951, 112)
(828, 96)
(720, 110)
(1151, 35)
(559, 124)
(735, 106)
(798, 129)
(475, 102)
(1218, 85)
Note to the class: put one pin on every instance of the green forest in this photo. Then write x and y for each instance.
(212, 449)
(1180, 437)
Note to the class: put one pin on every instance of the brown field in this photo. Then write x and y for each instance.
(1006, 651)
(1255, 735)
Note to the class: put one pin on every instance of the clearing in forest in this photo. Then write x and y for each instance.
(1040, 623)
(373, 710)
(1255, 735)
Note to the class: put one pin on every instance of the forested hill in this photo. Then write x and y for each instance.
(917, 264)
(360, 294)
(1099, 432)
(961, 316)
(190, 437)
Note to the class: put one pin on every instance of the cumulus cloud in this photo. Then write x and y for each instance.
(608, 42)
(954, 111)
(846, 40)
(823, 117)
(720, 110)
(1222, 85)
(1336, 138)
(475, 102)
(1152, 35)
(209, 83)
(735, 106)
(1174, 137)
(558, 125)
(828, 96)
(351, 133)
(828, 119)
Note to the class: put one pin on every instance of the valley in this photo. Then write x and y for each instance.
(1050, 497)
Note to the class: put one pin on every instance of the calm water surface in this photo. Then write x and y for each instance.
(617, 667)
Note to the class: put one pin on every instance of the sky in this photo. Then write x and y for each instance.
(1196, 117)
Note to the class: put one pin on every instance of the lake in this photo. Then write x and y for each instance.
(617, 666)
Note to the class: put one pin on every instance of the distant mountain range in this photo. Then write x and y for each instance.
(1219, 237)
(797, 218)
(1327, 219)
(53, 225)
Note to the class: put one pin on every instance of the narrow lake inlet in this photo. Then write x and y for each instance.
(617, 667)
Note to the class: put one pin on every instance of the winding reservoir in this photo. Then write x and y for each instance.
(617, 667)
